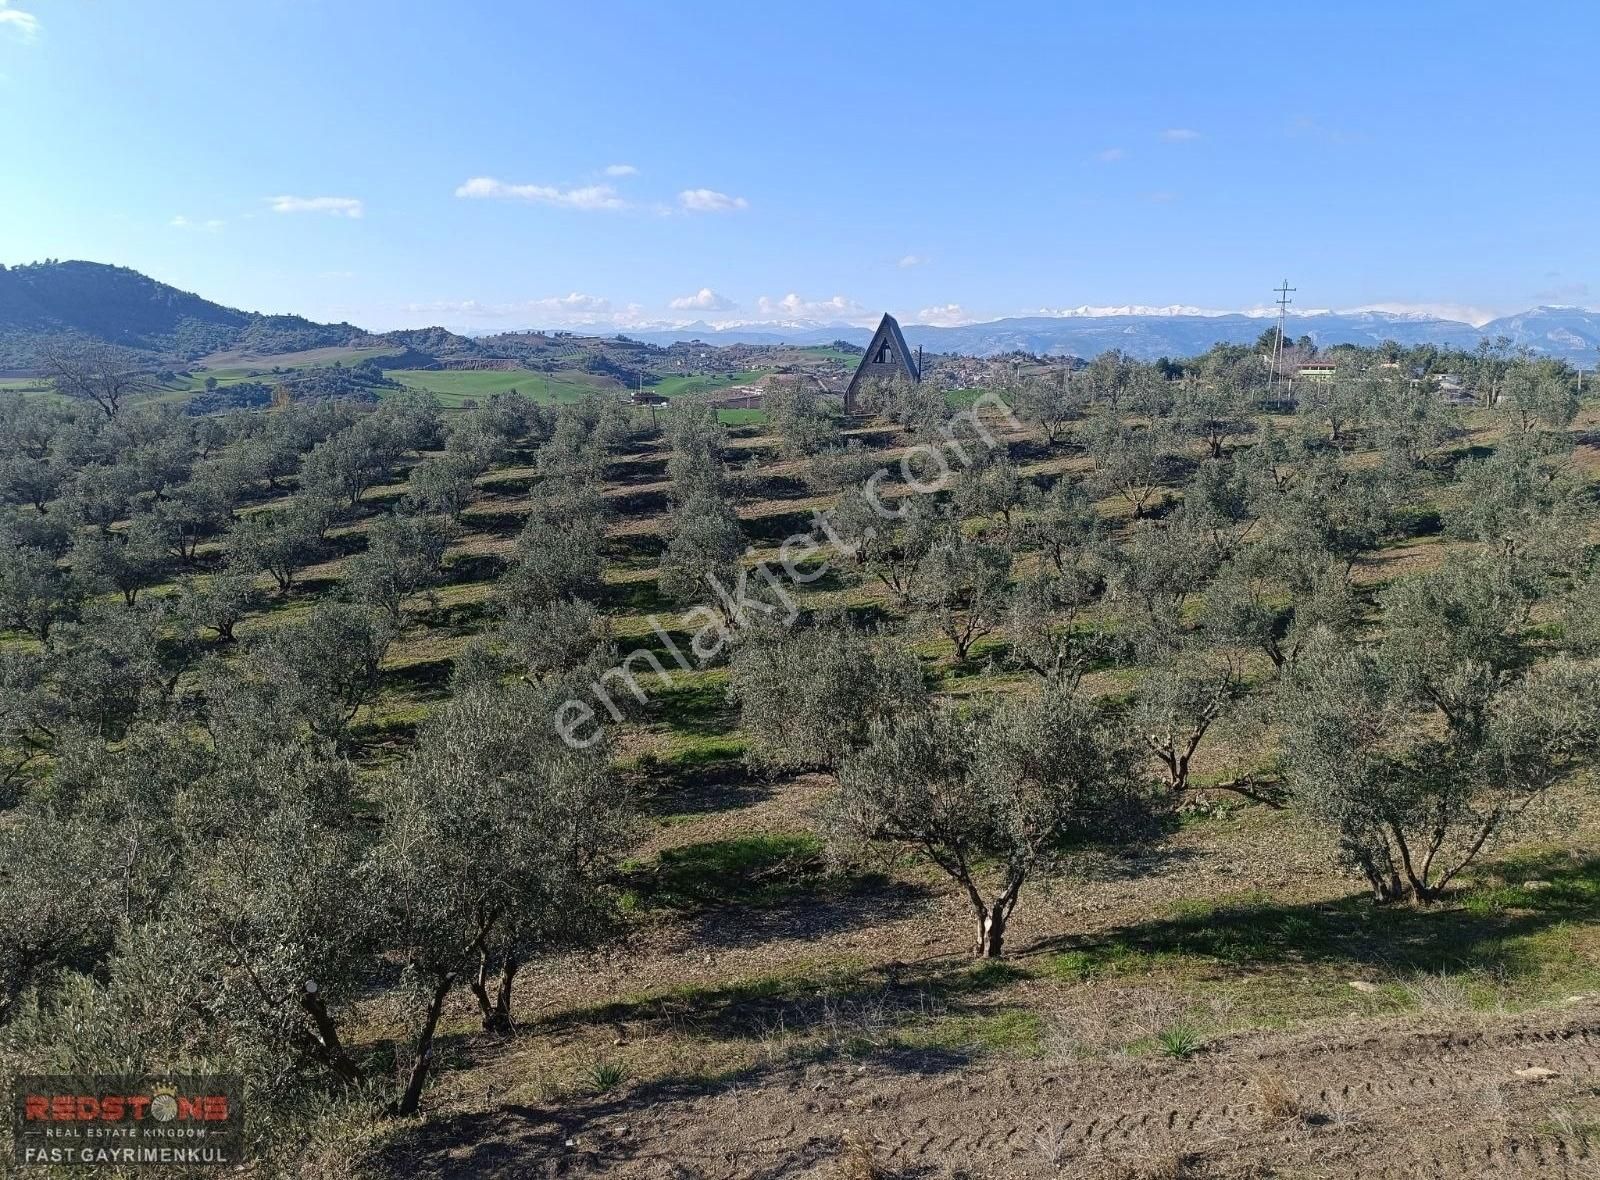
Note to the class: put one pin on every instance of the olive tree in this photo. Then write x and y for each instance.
(1521, 502)
(444, 483)
(327, 667)
(1155, 572)
(1180, 701)
(1050, 403)
(890, 542)
(1538, 396)
(1061, 522)
(35, 592)
(219, 603)
(702, 562)
(497, 836)
(964, 592)
(126, 561)
(60, 894)
(279, 541)
(1042, 631)
(1215, 409)
(404, 559)
(1131, 460)
(1423, 750)
(809, 695)
(990, 489)
(558, 552)
(1340, 403)
(796, 414)
(990, 795)
(553, 638)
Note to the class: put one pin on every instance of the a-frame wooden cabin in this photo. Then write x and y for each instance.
(887, 359)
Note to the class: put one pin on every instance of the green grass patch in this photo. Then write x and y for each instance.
(757, 869)
(1008, 1030)
(1524, 936)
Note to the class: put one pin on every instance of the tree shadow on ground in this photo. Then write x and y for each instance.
(508, 486)
(642, 595)
(759, 868)
(827, 906)
(700, 783)
(421, 679)
(636, 472)
(455, 618)
(589, 1136)
(498, 522)
(1481, 928)
(839, 1005)
(776, 487)
(467, 568)
(696, 706)
(637, 550)
(636, 505)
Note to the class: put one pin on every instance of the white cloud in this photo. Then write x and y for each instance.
(575, 303)
(23, 24)
(621, 170)
(1179, 135)
(333, 206)
(1110, 155)
(211, 225)
(911, 260)
(793, 307)
(707, 200)
(705, 299)
(587, 197)
(947, 316)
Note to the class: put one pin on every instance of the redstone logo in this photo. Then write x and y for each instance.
(121, 1121)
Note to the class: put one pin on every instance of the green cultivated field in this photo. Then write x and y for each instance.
(452, 388)
(680, 386)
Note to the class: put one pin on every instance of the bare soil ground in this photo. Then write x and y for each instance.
(1502, 1096)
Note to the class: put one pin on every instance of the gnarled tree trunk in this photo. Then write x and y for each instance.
(496, 1012)
(412, 1095)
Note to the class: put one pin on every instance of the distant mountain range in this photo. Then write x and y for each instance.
(1567, 332)
(48, 300)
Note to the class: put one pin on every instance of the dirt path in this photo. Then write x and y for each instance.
(1389, 1100)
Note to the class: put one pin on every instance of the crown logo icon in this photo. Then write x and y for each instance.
(164, 1103)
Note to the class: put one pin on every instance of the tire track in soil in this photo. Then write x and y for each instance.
(1392, 1104)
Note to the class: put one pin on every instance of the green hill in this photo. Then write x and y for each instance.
(49, 300)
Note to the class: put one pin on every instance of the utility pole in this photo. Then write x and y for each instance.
(1284, 292)
(655, 427)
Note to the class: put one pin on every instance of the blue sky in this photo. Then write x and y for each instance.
(487, 165)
